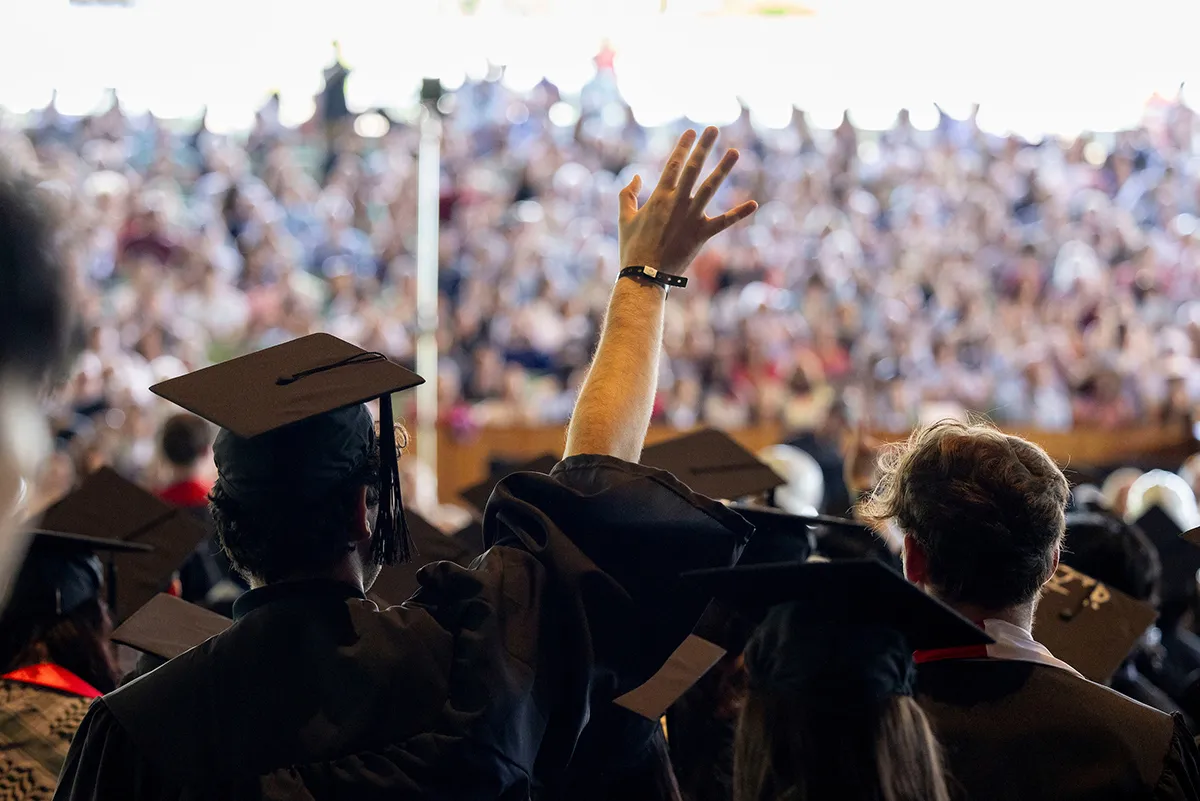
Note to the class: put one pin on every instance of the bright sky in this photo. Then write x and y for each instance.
(1055, 66)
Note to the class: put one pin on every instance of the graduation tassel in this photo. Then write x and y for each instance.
(392, 543)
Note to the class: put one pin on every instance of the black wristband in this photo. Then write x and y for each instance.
(651, 274)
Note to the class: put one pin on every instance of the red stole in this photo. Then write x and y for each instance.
(53, 677)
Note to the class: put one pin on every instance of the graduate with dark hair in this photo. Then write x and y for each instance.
(481, 684)
(55, 657)
(35, 317)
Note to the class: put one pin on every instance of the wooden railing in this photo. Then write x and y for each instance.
(463, 461)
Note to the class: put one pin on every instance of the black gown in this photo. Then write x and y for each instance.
(1034, 732)
(479, 687)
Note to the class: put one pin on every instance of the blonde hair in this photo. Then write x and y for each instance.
(790, 749)
(988, 509)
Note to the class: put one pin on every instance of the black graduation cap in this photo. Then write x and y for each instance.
(168, 626)
(712, 463)
(851, 592)
(1179, 556)
(61, 571)
(479, 494)
(294, 424)
(1089, 625)
(397, 583)
(110, 507)
(778, 536)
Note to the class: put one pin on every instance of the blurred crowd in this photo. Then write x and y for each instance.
(913, 274)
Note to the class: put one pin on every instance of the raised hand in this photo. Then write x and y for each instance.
(669, 230)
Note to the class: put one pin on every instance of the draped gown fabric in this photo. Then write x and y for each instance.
(477, 688)
(1034, 732)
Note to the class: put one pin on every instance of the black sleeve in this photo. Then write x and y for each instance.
(611, 539)
(145, 664)
(615, 536)
(103, 763)
(1181, 771)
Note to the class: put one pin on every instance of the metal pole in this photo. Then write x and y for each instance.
(429, 157)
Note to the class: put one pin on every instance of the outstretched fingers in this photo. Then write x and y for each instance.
(670, 173)
(711, 184)
(628, 198)
(694, 164)
(732, 217)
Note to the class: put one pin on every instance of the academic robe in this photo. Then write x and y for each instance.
(1022, 731)
(40, 709)
(477, 688)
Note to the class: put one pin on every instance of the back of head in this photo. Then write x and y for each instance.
(34, 306)
(987, 508)
(37, 626)
(186, 438)
(34, 336)
(829, 713)
(293, 529)
(1107, 549)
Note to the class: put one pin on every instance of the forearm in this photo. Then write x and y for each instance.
(612, 414)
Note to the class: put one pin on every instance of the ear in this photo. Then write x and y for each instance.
(916, 561)
(1054, 567)
(361, 530)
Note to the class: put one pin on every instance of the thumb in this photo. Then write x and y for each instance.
(629, 204)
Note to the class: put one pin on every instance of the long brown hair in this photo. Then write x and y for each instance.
(77, 641)
(793, 748)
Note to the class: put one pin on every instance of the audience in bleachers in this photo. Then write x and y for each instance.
(917, 273)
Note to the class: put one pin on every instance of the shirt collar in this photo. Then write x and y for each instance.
(302, 590)
(1016, 644)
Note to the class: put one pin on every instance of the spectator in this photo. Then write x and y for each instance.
(951, 269)
(186, 444)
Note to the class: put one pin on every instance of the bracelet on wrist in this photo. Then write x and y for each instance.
(642, 272)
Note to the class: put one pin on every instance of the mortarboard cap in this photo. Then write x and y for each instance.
(81, 542)
(1089, 625)
(778, 536)
(788, 597)
(110, 507)
(479, 494)
(852, 593)
(294, 424)
(397, 583)
(168, 626)
(61, 571)
(712, 463)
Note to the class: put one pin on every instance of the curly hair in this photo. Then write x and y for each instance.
(987, 508)
(35, 310)
(271, 541)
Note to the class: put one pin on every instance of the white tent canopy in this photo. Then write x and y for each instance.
(1035, 67)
